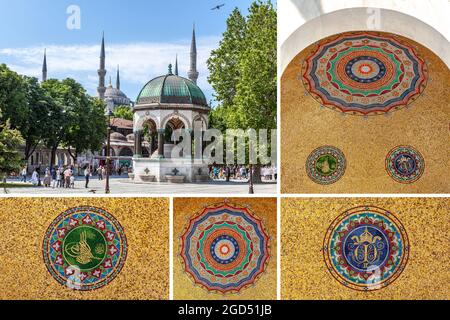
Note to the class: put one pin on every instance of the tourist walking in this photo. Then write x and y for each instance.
(100, 173)
(47, 178)
(35, 177)
(87, 175)
(53, 175)
(67, 175)
(103, 172)
(72, 181)
(227, 173)
(58, 178)
(24, 175)
(61, 177)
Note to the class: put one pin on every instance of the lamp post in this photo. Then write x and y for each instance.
(108, 146)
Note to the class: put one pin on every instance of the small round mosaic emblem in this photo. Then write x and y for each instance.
(364, 73)
(366, 248)
(84, 248)
(326, 165)
(405, 164)
(225, 248)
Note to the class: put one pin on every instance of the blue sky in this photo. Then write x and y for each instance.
(142, 36)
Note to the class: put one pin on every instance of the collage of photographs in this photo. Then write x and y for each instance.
(225, 150)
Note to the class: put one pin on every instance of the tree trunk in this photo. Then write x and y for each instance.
(73, 155)
(53, 156)
(29, 149)
(257, 173)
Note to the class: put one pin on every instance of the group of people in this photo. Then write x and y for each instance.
(62, 177)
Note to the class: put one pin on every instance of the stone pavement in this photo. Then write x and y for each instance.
(125, 186)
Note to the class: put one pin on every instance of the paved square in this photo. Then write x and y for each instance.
(125, 186)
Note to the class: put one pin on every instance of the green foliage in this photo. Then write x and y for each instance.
(123, 112)
(244, 71)
(58, 116)
(78, 121)
(97, 122)
(10, 158)
(36, 125)
(55, 113)
(256, 96)
(13, 103)
(223, 63)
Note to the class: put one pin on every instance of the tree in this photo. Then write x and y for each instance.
(123, 112)
(97, 124)
(256, 96)
(87, 123)
(34, 129)
(223, 63)
(244, 71)
(77, 121)
(10, 158)
(59, 122)
(13, 104)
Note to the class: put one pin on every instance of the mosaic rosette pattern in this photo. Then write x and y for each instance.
(84, 248)
(366, 248)
(326, 165)
(225, 248)
(364, 73)
(405, 164)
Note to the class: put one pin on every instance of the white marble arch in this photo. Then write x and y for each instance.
(201, 117)
(176, 115)
(322, 19)
(140, 120)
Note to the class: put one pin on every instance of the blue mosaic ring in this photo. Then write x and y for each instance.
(366, 248)
(405, 164)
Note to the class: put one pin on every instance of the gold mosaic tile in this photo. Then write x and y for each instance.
(304, 274)
(24, 221)
(264, 287)
(366, 142)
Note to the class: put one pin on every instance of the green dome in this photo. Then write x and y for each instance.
(171, 89)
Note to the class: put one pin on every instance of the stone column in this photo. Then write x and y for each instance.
(138, 144)
(190, 134)
(161, 143)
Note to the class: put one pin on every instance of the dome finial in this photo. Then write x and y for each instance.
(170, 68)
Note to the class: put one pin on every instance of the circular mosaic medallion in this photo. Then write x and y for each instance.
(405, 164)
(364, 73)
(366, 248)
(326, 165)
(225, 248)
(84, 248)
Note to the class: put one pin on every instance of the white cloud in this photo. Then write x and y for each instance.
(139, 62)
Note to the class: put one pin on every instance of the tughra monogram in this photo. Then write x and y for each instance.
(80, 250)
(366, 251)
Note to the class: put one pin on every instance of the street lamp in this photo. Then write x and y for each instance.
(108, 146)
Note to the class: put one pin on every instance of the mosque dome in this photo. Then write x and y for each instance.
(116, 96)
(114, 92)
(118, 136)
(171, 88)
